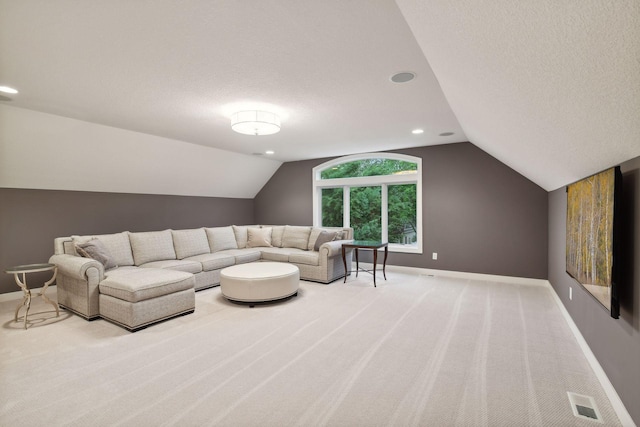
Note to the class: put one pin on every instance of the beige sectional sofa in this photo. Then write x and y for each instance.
(136, 279)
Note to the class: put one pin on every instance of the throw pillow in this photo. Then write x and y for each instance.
(95, 249)
(259, 237)
(324, 237)
(117, 244)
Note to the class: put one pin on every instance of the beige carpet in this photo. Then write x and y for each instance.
(415, 351)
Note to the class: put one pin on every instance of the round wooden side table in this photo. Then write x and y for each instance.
(26, 301)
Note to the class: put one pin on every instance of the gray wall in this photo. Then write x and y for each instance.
(479, 215)
(614, 342)
(31, 219)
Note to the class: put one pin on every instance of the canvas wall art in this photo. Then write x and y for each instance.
(591, 231)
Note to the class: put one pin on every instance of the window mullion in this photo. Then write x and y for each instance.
(384, 213)
(346, 206)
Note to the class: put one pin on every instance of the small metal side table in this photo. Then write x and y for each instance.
(369, 245)
(32, 268)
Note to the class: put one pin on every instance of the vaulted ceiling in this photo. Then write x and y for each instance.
(552, 89)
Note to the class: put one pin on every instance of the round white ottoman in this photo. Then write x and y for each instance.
(259, 281)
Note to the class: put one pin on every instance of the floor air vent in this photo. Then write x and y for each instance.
(584, 407)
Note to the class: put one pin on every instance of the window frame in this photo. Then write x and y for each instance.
(370, 181)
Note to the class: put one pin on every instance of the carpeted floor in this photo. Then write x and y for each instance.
(415, 351)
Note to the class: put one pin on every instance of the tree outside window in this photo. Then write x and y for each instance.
(378, 195)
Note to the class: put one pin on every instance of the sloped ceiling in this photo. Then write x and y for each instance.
(549, 88)
(179, 69)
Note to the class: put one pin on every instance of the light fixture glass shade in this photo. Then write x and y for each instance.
(255, 122)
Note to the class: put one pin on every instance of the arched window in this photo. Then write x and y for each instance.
(378, 194)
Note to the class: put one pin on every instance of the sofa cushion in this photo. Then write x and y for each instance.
(117, 244)
(278, 254)
(259, 237)
(190, 242)
(152, 246)
(176, 264)
(244, 255)
(221, 238)
(307, 258)
(97, 250)
(214, 261)
(296, 237)
(276, 235)
(139, 284)
(241, 235)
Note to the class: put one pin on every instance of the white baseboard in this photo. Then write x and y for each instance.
(612, 394)
(464, 275)
(17, 295)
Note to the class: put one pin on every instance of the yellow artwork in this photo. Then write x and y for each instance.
(589, 253)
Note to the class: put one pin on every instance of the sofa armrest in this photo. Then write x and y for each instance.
(333, 248)
(77, 267)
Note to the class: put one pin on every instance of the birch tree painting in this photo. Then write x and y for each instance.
(590, 233)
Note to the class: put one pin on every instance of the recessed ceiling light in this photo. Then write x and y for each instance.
(7, 89)
(446, 134)
(417, 131)
(269, 152)
(403, 77)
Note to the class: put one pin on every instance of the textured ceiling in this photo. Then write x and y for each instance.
(551, 88)
(179, 69)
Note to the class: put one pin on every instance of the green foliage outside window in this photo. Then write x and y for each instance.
(332, 201)
(365, 213)
(369, 167)
(365, 202)
(402, 214)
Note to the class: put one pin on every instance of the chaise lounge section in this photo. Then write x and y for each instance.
(137, 279)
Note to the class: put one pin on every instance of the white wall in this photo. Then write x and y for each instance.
(44, 151)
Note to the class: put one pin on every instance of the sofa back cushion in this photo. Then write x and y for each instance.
(221, 238)
(240, 231)
(296, 237)
(276, 234)
(152, 246)
(190, 242)
(117, 245)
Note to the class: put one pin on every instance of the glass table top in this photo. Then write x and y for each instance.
(30, 268)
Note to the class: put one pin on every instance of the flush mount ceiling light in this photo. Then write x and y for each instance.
(417, 131)
(255, 122)
(7, 89)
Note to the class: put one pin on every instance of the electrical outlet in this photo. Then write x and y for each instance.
(435, 255)
(570, 293)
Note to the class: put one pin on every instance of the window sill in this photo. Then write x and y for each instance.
(404, 249)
